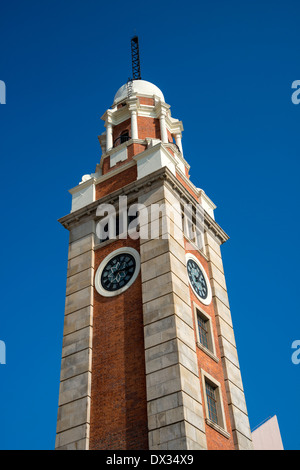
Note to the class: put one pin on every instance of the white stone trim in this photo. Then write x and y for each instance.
(117, 116)
(119, 156)
(83, 195)
(102, 265)
(154, 158)
(208, 300)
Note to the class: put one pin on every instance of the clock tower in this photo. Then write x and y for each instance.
(149, 358)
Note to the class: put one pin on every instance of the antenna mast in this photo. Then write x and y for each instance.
(135, 57)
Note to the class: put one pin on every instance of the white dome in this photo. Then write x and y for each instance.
(141, 87)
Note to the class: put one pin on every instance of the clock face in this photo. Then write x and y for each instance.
(198, 280)
(117, 272)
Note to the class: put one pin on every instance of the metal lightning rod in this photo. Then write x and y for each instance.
(135, 58)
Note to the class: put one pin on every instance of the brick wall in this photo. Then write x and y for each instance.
(187, 186)
(116, 182)
(135, 149)
(118, 397)
(146, 101)
(170, 137)
(148, 127)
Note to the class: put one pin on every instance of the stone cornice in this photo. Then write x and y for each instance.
(178, 154)
(185, 196)
(133, 190)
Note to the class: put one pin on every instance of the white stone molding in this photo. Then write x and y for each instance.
(120, 155)
(154, 158)
(83, 194)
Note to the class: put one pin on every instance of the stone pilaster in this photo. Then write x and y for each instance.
(75, 380)
(175, 414)
(233, 381)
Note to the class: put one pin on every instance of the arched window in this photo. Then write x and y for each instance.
(123, 137)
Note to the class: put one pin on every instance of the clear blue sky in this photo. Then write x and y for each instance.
(226, 69)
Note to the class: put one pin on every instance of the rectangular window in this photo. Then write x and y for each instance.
(211, 402)
(193, 231)
(202, 330)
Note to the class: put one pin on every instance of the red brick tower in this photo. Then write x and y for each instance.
(149, 358)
